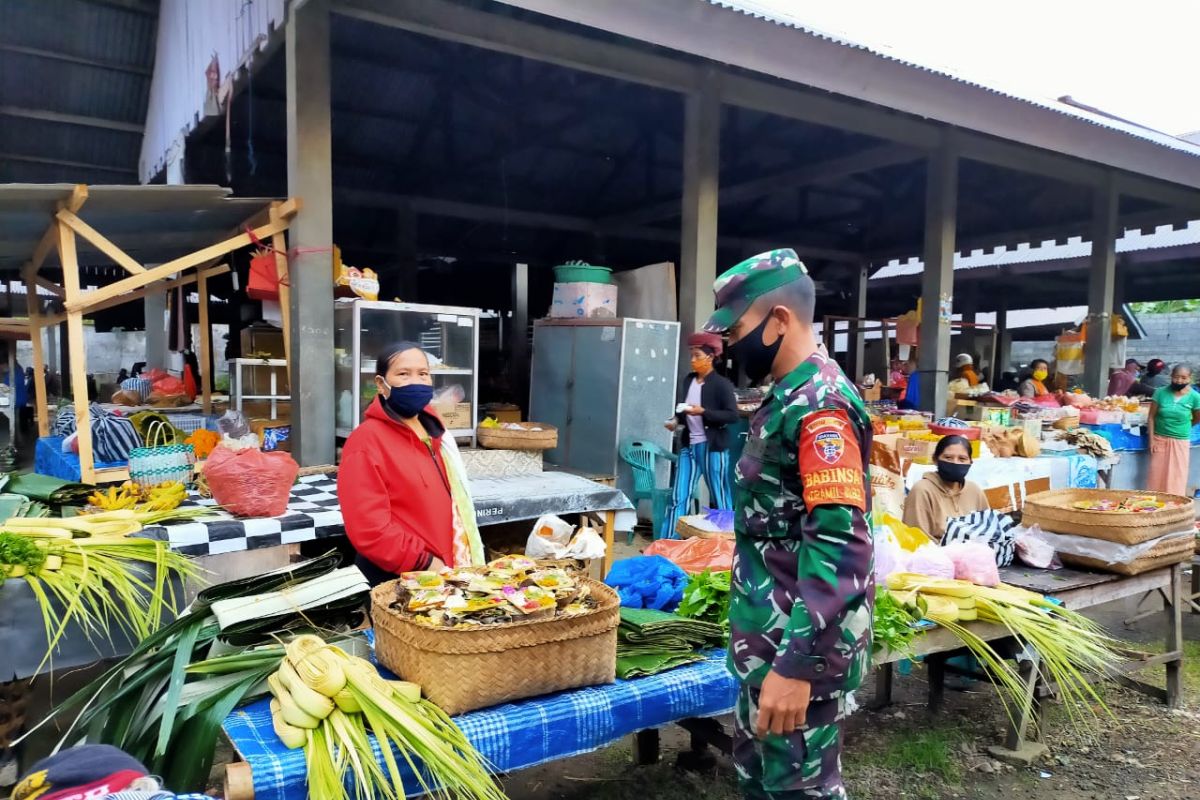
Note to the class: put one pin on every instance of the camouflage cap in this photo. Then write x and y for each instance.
(740, 286)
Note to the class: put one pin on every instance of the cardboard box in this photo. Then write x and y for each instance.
(871, 394)
(584, 301)
(261, 409)
(457, 416)
(1007, 499)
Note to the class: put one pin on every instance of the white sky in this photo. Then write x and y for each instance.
(1136, 60)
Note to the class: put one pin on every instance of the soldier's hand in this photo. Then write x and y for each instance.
(782, 705)
(670, 425)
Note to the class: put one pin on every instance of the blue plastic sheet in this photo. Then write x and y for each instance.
(648, 582)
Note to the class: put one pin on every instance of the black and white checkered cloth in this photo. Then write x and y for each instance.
(313, 513)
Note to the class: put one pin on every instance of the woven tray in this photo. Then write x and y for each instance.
(1053, 512)
(687, 531)
(1163, 555)
(462, 670)
(524, 439)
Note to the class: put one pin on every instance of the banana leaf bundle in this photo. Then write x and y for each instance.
(165, 702)
(649, 641)
(47, 489)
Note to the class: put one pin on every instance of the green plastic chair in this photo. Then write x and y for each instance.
(642, 456)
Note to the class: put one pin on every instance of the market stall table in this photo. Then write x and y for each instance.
(314, 513)
(511, 736)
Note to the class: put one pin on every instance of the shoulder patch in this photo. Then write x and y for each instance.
(831, 469)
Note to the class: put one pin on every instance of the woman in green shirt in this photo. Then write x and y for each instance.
(1174, 409)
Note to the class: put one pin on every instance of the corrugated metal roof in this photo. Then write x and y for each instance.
(153, 224)
(771, 13)
(1076, 247)
(74, 84)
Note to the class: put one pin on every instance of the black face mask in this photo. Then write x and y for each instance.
(1178, 387)
(755, 357)
(953, 473)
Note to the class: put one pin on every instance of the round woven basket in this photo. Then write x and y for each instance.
(465, 669)
(1054, 512)
(545, 438)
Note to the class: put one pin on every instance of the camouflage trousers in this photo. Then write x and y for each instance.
(804, 765)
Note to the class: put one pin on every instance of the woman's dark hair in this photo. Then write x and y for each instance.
(710, 351)
(1033, 364)
(1155, 366)
(384, 362)
(948, 441)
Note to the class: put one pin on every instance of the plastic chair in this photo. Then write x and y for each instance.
(642, 456)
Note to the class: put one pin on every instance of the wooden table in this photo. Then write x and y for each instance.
(1077, 591)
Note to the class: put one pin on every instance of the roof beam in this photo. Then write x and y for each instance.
(70, 119)
(456, 23)
(864, 161)
(53, 55)
(60, 162)
(560, 222)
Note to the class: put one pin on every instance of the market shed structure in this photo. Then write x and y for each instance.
(162, 237)
(427, 133)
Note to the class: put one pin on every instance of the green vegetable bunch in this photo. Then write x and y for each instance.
(894, 626)
(706, 597)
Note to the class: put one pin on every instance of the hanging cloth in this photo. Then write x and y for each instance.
(468, 546)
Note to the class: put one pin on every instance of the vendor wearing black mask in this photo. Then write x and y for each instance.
(945, 494)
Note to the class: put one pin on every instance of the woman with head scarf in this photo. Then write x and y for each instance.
(1174, 411)
(1034, 384)
(964, 364)
(945, 494)
(707, 406)
(401, 485)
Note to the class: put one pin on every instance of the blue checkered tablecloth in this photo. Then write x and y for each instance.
(518, 735)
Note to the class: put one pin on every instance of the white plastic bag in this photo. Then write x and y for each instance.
(1035, 549)
(586, 545)
(929, 559)
(889, 557)
(549, 538)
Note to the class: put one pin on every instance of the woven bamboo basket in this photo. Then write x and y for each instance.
(1162, 555)
(687, 531)
(546, 438)
(1053, 511)
(462, 670)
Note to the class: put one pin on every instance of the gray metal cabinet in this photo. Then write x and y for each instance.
(602, 383)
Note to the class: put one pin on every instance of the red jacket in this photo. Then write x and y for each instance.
(395, 494)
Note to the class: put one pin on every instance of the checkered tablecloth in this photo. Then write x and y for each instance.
(312, 513)
(517, 735)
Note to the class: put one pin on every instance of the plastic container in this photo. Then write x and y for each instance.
(581, 273)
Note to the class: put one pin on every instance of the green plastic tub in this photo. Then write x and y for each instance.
(581, 272)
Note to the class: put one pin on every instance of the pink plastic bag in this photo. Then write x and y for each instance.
(251, 483)
(974, 562)
(931, 560)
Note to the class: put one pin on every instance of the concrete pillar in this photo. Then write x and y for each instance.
(1003, 341)
(406, 254)
(858, 341)
(937, 282)
(966, 301)
(155, 306)
(310, 178)
(1102, 278)
(519, 338)
(698, 246)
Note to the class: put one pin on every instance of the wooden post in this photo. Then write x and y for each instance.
(39, 355)
(858, 340)
(698, 247)
(206, 382)
(937, 282)
(1174, 612)
(610, 527)
(1102, 277)
(83, 420)
(279, 244)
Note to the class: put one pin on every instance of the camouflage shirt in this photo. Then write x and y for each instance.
(803, 584)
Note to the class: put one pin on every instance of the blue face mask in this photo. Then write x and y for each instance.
(408, 401)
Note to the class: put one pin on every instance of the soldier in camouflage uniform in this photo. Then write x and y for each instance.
(803, 588)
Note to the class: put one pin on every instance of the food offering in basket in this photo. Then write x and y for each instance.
(495, 435)
(507, 590)
(1134, 504)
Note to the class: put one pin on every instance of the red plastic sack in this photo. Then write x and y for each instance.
(168, 386)
(264, 277)
(251, 483)
(695, 555)
(154, 374)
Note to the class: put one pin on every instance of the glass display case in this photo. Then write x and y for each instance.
(449, 335)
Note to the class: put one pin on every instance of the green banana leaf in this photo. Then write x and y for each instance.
(47, 489)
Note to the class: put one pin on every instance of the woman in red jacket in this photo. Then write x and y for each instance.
(397, 495)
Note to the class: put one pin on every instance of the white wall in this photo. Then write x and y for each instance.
(107, 353)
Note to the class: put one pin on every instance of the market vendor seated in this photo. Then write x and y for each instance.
(945, 494)
(404, 494)
(964, 365)
(1034, 384)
